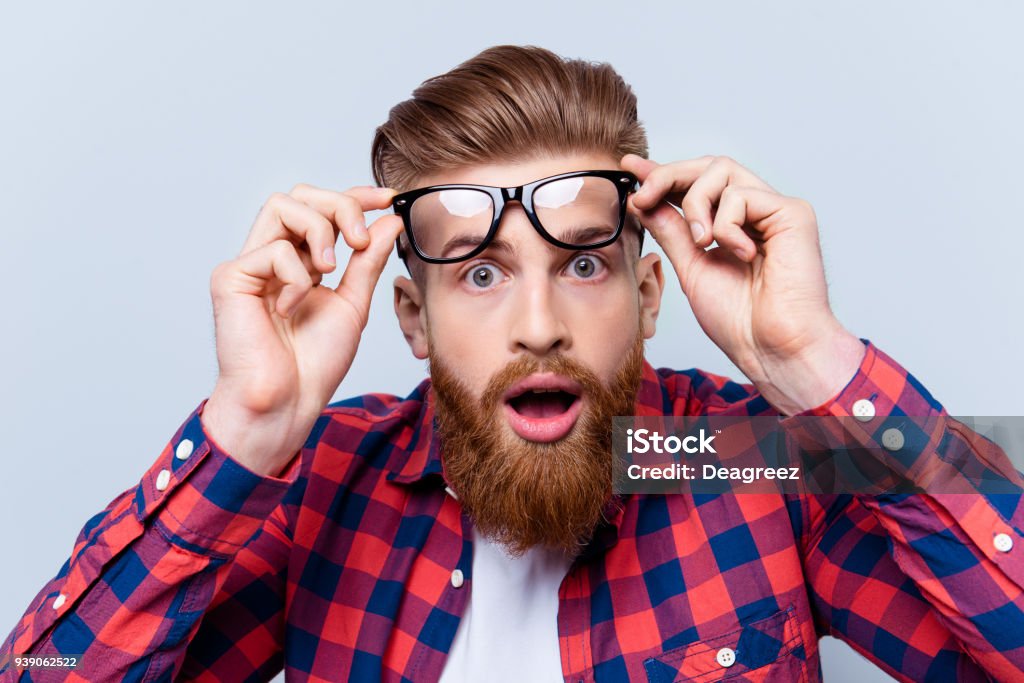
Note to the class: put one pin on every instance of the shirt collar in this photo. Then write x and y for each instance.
(423, 453)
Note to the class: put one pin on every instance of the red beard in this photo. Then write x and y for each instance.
(521, 493)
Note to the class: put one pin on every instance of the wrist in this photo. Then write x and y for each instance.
(259, 443)
(814, 375)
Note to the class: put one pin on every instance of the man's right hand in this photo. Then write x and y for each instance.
(284, 341)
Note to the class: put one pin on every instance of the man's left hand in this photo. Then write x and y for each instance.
(760, 294)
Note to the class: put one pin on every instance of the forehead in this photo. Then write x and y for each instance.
(519, 172)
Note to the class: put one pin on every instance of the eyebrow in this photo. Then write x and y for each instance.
(467, 242)
(460, 242)
(585, 235)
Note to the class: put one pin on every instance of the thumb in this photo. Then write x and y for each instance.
(365, 266)
(672, 232)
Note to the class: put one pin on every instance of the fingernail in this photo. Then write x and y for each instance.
(698, 231)
(739, 252)
(360, 230)
(329, 255)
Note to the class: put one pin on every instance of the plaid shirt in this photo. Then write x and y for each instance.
(341, 568)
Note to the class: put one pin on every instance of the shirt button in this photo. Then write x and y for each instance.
(163, 479)
(59, 602)
(864, 410)
(457, 578)
(892, 439)
(726, 657)
(1003, 542)
(184, 449)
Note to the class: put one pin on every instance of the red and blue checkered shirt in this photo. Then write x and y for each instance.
(341, 567)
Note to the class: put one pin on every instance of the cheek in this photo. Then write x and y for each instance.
(470, 346)
(604, 327)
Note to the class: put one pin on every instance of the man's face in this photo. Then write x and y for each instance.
(531, 347)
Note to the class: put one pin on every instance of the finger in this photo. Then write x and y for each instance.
(706, 191)
(346, 208)
(730, 218)
(307, 263)
(277, 260)
(642, 168)
(672, 233)
(637, 165)
(666, 179)
(284, 217)
(365, 266)
(345, 212)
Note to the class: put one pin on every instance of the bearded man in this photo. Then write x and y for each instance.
(470, 531)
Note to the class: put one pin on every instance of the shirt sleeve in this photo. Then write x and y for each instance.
(129, 599)
(928, 583)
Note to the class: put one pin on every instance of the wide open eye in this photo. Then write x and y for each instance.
(483, 276)
(585, 266)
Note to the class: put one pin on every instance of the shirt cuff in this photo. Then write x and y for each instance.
(884, 413)
(203, 500)
(883, 410)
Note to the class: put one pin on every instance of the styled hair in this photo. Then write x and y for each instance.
(508, 103)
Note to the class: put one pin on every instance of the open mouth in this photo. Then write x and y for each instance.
(543, 407)
(541, 403)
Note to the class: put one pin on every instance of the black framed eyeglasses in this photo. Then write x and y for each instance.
(577, 210)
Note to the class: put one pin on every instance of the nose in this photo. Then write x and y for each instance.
(537, 325)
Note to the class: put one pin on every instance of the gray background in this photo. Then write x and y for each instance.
(138, 141)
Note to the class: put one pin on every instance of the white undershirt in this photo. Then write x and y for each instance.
(509, 631)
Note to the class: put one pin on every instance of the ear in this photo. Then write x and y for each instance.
(412, 317)
(650, 284)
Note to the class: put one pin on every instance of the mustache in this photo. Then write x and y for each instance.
(524, 366)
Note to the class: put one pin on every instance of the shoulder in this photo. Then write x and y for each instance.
(695, 391)
(378, 408)
(365, 436)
